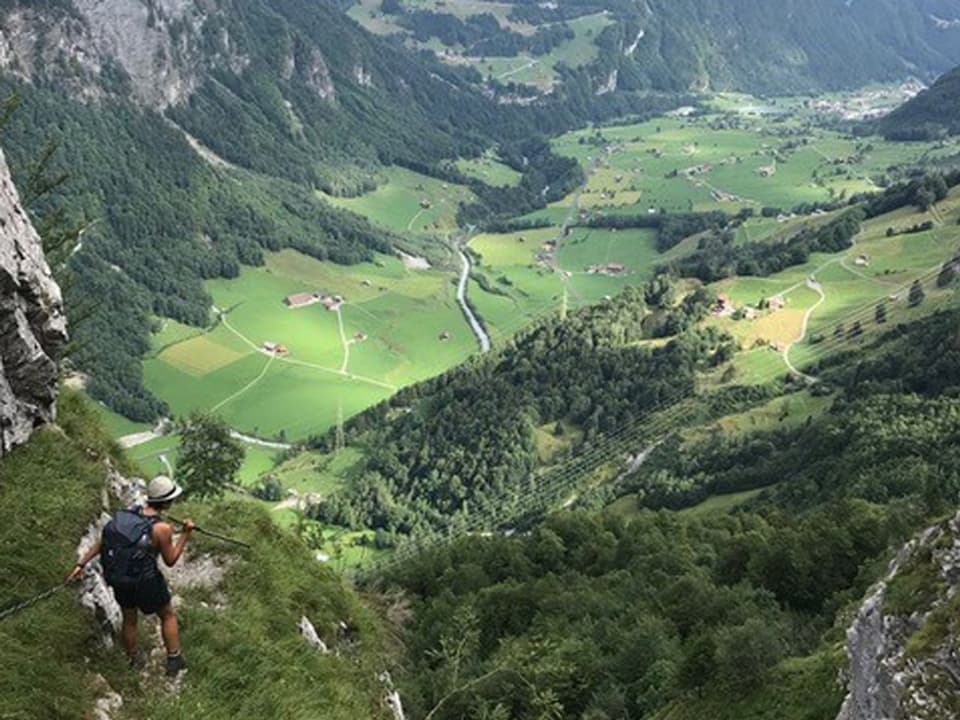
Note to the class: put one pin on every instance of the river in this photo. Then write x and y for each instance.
(475, 323)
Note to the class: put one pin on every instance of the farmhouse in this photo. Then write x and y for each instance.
(549, 246)
(777, 303)
(445, 336)
(724, 306)
(612, 269)
(360, 337)
(862, 261)
(275, 349)
(767, 171)
(425, 204)
(299, 300)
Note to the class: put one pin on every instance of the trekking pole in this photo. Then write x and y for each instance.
(212, 534)
(21, 605)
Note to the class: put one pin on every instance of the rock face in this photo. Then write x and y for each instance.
(904, 645)
(32, 324)
(158, 52)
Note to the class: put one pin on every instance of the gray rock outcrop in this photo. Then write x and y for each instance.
(33, 328)
(904, 645)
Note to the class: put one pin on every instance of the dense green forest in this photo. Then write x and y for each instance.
(934, 113)
(597, 616)
(454, 446)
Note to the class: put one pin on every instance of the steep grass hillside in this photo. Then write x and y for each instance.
(246, 657)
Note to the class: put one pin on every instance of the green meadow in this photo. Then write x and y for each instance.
(488, 169)
(541, 71)
(715, 163)
(528, 284)
(397, 326)
(877, 270)
(408, 202)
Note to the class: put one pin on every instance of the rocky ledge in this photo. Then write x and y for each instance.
(32, 325)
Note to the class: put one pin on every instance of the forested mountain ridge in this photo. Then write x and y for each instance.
(934, 113)
(772, 48)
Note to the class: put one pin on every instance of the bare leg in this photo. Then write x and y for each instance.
(169, 629)
(130, 632)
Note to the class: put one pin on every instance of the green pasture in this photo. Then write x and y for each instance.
(316, 472)
(635, 249)
(687, 164)
(399, 202)
(115, 424)
(487, 168)
(541, 71)
(527, 288)
(877, 270)
(399, 326)
(170, 333)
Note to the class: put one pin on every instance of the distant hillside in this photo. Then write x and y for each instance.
(762, 47)
(932, 114)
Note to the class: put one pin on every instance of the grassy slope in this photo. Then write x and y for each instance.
(247, 660)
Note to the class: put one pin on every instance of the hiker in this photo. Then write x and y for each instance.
(128, 550)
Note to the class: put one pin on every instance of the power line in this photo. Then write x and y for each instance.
(552, 483)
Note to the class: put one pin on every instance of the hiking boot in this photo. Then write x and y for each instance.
(175, 663)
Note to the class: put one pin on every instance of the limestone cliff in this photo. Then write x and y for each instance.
(904, 645)
(32, 323)
(157, 52)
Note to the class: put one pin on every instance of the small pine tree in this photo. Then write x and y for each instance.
(209, 458)
(856, 330)
(839, 331)
(881, 314)
(917, 295)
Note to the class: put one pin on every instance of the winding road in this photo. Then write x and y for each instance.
(817, 288)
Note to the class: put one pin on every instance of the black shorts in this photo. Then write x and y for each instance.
(149, 595)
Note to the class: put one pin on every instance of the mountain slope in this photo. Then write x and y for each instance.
(722, 614)
(797, 45)
(934, 113)
(194, 136)
(775, 48)
(239, 613)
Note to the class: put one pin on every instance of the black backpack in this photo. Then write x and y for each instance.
(126, 552)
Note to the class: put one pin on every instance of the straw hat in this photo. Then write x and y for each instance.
(163, 489)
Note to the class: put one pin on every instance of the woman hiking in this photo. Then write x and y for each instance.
(128, 550)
